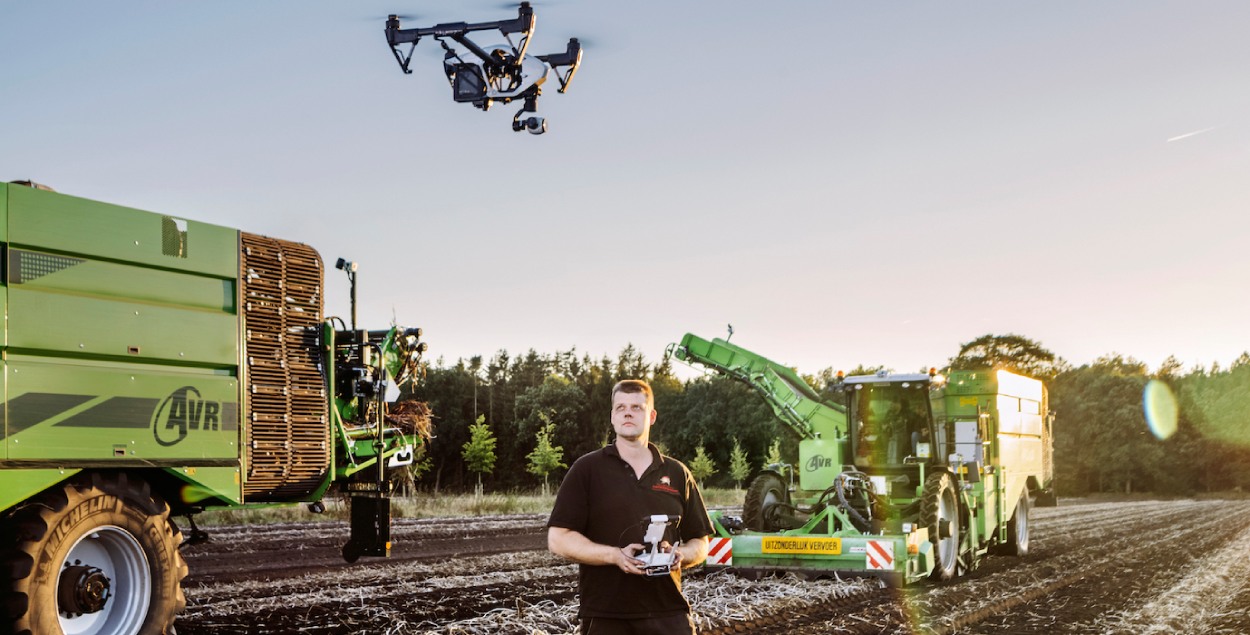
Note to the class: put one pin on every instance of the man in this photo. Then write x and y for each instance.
(599, 521)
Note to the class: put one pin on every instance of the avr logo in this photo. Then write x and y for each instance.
(183, 410)
(818, 462)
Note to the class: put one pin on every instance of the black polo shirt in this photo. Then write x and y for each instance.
(601, 499)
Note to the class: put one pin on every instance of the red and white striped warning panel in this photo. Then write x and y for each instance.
(720, 551)
(880, 555)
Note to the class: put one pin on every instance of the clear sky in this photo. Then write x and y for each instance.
(844, 182)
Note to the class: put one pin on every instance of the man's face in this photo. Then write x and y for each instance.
(631, 418)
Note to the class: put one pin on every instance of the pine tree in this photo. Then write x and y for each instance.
(545, 458)
(739, 467)
(701, 466)
(774, 454)
(479, 451)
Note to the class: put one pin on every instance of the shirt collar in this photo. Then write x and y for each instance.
(657, 459)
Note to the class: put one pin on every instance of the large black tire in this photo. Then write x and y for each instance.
(767, 489)
(1018, 529)
(939, 513)
(98, 556)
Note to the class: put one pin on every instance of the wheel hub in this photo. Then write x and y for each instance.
(944, 528)
(82, 589)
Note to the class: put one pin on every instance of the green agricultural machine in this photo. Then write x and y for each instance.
(900, 476)
(154, 367)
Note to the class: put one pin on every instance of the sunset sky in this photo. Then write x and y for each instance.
(844, 182)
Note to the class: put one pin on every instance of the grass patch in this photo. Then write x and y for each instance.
(723, 497)
(270, 514)
(442, 505)
(423, 506)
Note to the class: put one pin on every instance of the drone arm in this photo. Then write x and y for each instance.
(474, 48)
(396, 36)
(571, 57)
(523, 23)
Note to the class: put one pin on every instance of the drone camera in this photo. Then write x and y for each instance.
(534, 125)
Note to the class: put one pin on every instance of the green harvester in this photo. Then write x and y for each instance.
(899, 476)
(155, 366)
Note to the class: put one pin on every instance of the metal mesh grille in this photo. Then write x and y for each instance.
(173, 236)
(288, 431)
(25, 266)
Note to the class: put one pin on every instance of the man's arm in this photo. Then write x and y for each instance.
(692, 552)
(580, 549)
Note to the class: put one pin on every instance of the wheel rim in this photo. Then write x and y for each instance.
(948, 530)
(772, 497)
(112, 557)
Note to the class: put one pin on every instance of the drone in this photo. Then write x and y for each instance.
(495, 73)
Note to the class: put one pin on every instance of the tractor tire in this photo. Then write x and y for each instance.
(939, 513)
(1018, 530)
(767, 489)
(98, 556)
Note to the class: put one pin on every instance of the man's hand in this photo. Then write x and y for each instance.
(627, 561)
(578, 548)
(690, 553)
(678, 556)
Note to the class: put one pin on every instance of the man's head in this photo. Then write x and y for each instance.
(633, 410)
(634, 386)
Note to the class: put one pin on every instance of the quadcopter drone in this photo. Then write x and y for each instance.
(499, 72)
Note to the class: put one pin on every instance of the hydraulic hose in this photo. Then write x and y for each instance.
(840, 484)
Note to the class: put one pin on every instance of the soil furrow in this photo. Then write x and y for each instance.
(1103, 567)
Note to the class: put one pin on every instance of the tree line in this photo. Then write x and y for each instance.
(516, 422)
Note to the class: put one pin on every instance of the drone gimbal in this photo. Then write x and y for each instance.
(501, 72)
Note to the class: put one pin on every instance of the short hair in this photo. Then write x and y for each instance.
(634, 386)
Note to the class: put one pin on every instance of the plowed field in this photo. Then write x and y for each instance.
(1125, 567)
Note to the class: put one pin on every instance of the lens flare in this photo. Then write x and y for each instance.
(192, 493)
(1159, 404)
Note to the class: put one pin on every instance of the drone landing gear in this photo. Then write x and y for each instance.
(535, 125)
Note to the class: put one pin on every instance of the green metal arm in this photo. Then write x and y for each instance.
(792, 400)
(365, 443)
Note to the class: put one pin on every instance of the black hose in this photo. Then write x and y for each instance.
(857, 519)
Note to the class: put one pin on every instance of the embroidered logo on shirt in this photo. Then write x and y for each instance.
(665, 485)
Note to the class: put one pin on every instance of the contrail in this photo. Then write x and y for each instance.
(1190, 134)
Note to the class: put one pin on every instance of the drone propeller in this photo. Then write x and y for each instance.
(405, 17)
(514, 5)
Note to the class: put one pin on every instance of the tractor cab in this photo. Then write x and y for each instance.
(891, 428)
